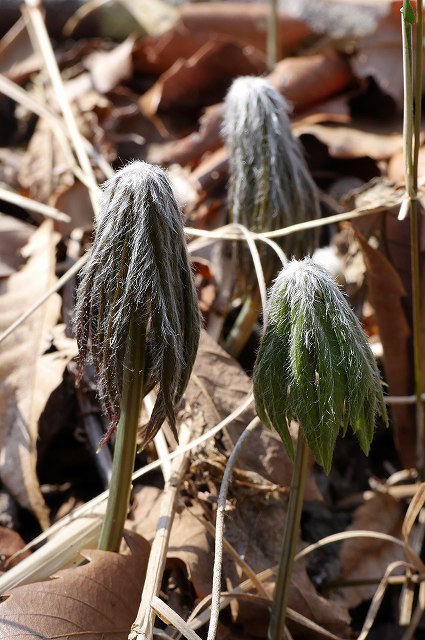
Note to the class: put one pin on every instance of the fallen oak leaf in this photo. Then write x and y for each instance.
(95, 600)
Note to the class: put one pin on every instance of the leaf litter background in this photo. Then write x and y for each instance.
(150, 85)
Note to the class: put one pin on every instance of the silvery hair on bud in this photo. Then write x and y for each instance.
(315, 364)
(270, 184)
(138, 270)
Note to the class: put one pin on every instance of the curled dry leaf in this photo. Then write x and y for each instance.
(96, 600)
(27, 377)
(367, 558)
(308, 80)
(203, 78)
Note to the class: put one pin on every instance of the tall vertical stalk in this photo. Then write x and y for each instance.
(411, 139)
(273, 34)
(126, 439)
(290, 540)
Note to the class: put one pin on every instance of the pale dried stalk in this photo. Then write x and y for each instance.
(142, 627)
(32, 205)
(219, 527)
(38, 30)
(378, 597)
(362, 533)
(169, 616)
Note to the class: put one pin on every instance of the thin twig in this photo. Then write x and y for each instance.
(142, 627)
(222, 498)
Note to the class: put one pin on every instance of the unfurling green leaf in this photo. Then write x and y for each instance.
(138, 272)
(315, 365)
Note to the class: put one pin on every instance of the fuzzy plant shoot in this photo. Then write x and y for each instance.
(270, 186)
(136, 318)
(314, 365)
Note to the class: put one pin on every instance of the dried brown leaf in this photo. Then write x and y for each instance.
(357, 140)
(10, 543)
(388, 295)
(109, 68)
(97, 600)
(380, 54)
(243, 21)
(44, 167)
(309, 80)
(203, 78)
(27, 379)
(217, 388)
(13, 235)
(368, 558)
(238, 22)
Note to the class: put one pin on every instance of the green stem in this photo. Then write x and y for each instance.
(272, 34)
(125, 444)
(414, 241)
(290, 541)
(242, 329)
(411, 138)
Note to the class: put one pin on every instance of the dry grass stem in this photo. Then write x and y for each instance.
(169, 616)
(38, 31)
(32, 205)
(142, 628)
